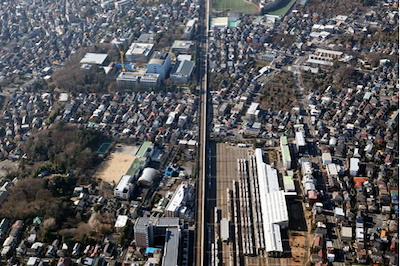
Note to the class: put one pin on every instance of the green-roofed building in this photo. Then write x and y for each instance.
(288, 183)
(137, 165)
(146, 150)
(286, 158)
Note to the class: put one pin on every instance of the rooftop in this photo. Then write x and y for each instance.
(183, 68)
(171, 247)
(93, 58)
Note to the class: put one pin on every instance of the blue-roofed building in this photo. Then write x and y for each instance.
(367, 95)
(170, 170)
(151, 250)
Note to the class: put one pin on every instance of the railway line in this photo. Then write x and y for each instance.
(203, 237)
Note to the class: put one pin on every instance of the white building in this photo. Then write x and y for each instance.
(300, 141)
(150, 80)
(182, 46)
(128, 80)
(189, 29)
(179, 199)
(124, 188)
(253, 112)
(306, 168)
(122, 4)
(326, 158)
(148, 176)
(94, 59)
(273, 205)
(354, 167)
(139, 51)
(160, 63)
(135, 80)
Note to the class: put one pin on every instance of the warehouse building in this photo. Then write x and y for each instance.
(273, 206)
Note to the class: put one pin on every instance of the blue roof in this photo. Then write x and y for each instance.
(151, 250)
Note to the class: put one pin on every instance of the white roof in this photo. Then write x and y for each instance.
(273, 203)
(306, 168)
(148, 175)
(319, 50)
(273, 239)
(272, 178)
(93, 58)
(300, 139)
(122, 220)
(123, 182)
(339, 211)
(332, 169)
(63, 97)
(359, 233)
(140, 49)
(354, 164)
(276, 204)
(177, 198)
(183, 57)
(253, 108)
(326, 157)
(224, 229)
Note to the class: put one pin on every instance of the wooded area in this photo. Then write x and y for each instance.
(72, 78)
(279, 93)
(62, 149)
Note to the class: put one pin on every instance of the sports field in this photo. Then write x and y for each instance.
(238, 6)
(282, 8)
(117, 163)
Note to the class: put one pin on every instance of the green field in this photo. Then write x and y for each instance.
(238, 6)
(281, 9)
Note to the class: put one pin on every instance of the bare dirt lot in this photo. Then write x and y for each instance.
(116, 164)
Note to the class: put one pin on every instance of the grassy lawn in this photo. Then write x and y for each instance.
(234, 6)
(281, 9)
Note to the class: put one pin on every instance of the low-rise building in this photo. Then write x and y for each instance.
(286, 158)
(139, 51)
(182, 47)
(124, 188)
(182, 71)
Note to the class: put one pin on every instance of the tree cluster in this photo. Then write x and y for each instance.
(30, 198)
(74, 79)
(63, 149)
(279, 93)
(334, 7)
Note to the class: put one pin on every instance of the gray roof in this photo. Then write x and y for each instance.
(168, 222)
(171, 247)
(183, 68)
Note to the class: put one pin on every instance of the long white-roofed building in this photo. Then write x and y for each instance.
(179, 199)
(273, 205)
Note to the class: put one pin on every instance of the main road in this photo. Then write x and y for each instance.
(202, 247)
